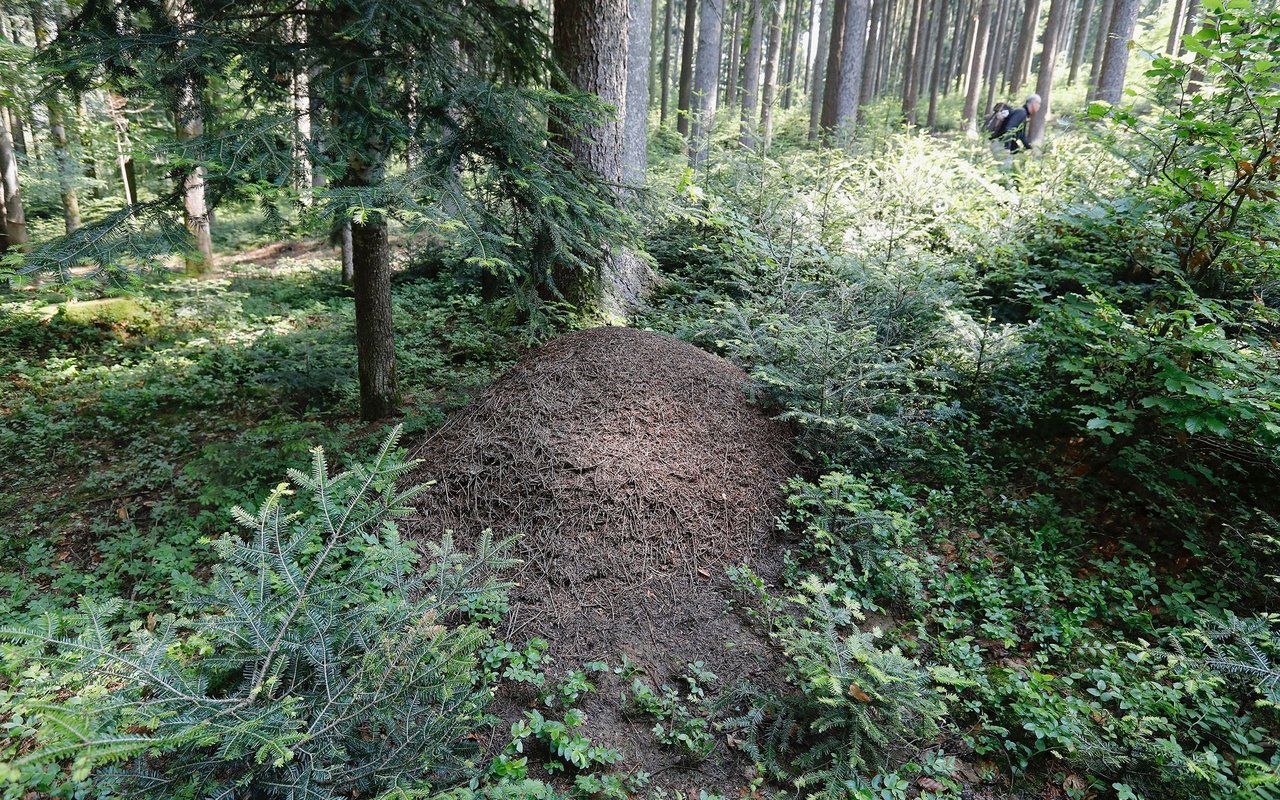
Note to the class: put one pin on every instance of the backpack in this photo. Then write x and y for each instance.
(994, 124)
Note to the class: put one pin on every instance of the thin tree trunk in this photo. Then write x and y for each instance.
(1082, 37)
(706, 79)
(1115, 62)
(58, 132)
(1175, 28)
(189, 124)
(994, 60)
(15, 221)
(302, 139)
(375, 335)
(769, 91)
(1100, 46)
(666, 64)
(937, 78)
(793, 42)
(976, 63)
(910, 90)
(734, 61)
(831, 91)
(1026, 43)
(653, 48)
(955, 63)
(820, 67)
(686, 68)
(875, 42)
(1058, 12)
(348, 262)
(635, 157)
(852, 62)
(751, 78)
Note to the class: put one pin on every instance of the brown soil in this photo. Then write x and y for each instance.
(633, 471)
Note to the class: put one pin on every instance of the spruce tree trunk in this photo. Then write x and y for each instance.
(912, 54)
(769, 92)
(936, 78)
(1115, 61)
(57, 131)
(1026, 43)
(686, 68)
(635, 157)
(189, 125)
(302, 140)
(793, 41)
(15, 221)
(751, 76)
(831, 90)
(1082, 36)
(958, 38)
(996, 53)
(124, 146)
(976, 63)
(666, 64)
(348, 261)
(1058, 12)
(820, 68)
(853, 55)
(375, 335)
(1175, 28)
(734, 62)
(1100, 46)
(870, 62)
(706, 79)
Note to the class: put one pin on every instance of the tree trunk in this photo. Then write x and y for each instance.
(375, 335)
(936, 79)
(686, 68)
(751, 77)
(820, 68)
(635, 156)
(1175, 28)
(1058, 11)
(57, 131)
(348, 262)
(1100, 46)
(831, 90)
(706, 79)
(666, 64)
(1115, 62)
(189, 125)
(1026, 43)
(652, 90)
(769, 92)
(793, 42)
(995, 49)
(734, 61)
(302, 138)
(853, 54)
(1082, 36)
(976, 63)
(912, 55)
(15, 221)
(958, 38)
(875, 42)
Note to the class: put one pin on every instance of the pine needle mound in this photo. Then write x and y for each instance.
(632, 468)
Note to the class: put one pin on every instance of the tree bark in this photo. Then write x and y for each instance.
(819, 68)
(870, 62)
(852, 62)
(936, 78)
(57, 131)
(793, 42)
(994, 60)
(769, 92)
(734, 61)
(1026, 43)
(15, 221)
(1082, 36)
(375, 335)
(684, 105)
(666, 64)
(635, 156)
(1058, 11)
(976, 63)
(189, 124)
(1115, 62)
(831, 90)
(706, 79)
(751, 77)
(1175, 28)
(1100, 46)
(912, 54)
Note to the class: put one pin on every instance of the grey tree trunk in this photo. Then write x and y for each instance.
(793, 41)
(734, 61)
(751, 74)
(1100, 46)
(831, 91)
(853, 54)
(635, 156)
(15, 221)
(684, 104)
(706, 79)
(912, 54)
(875, 42)
(58, 131)
(1115, 62)
(769, 92)
(348, 262)
(1175, 28)
(1026, 43)
(1058, 11)
(1082, 37)
(302, 139)
(666, 64)
(936, 78)
(998, 49)
(976, 63)
(375, 335)
(820, 68)
(189, 124)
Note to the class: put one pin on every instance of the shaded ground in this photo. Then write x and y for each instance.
(634, 471)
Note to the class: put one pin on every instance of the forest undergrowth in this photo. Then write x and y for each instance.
(1036, 530)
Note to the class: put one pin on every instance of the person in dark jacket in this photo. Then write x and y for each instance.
(1013, 133)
